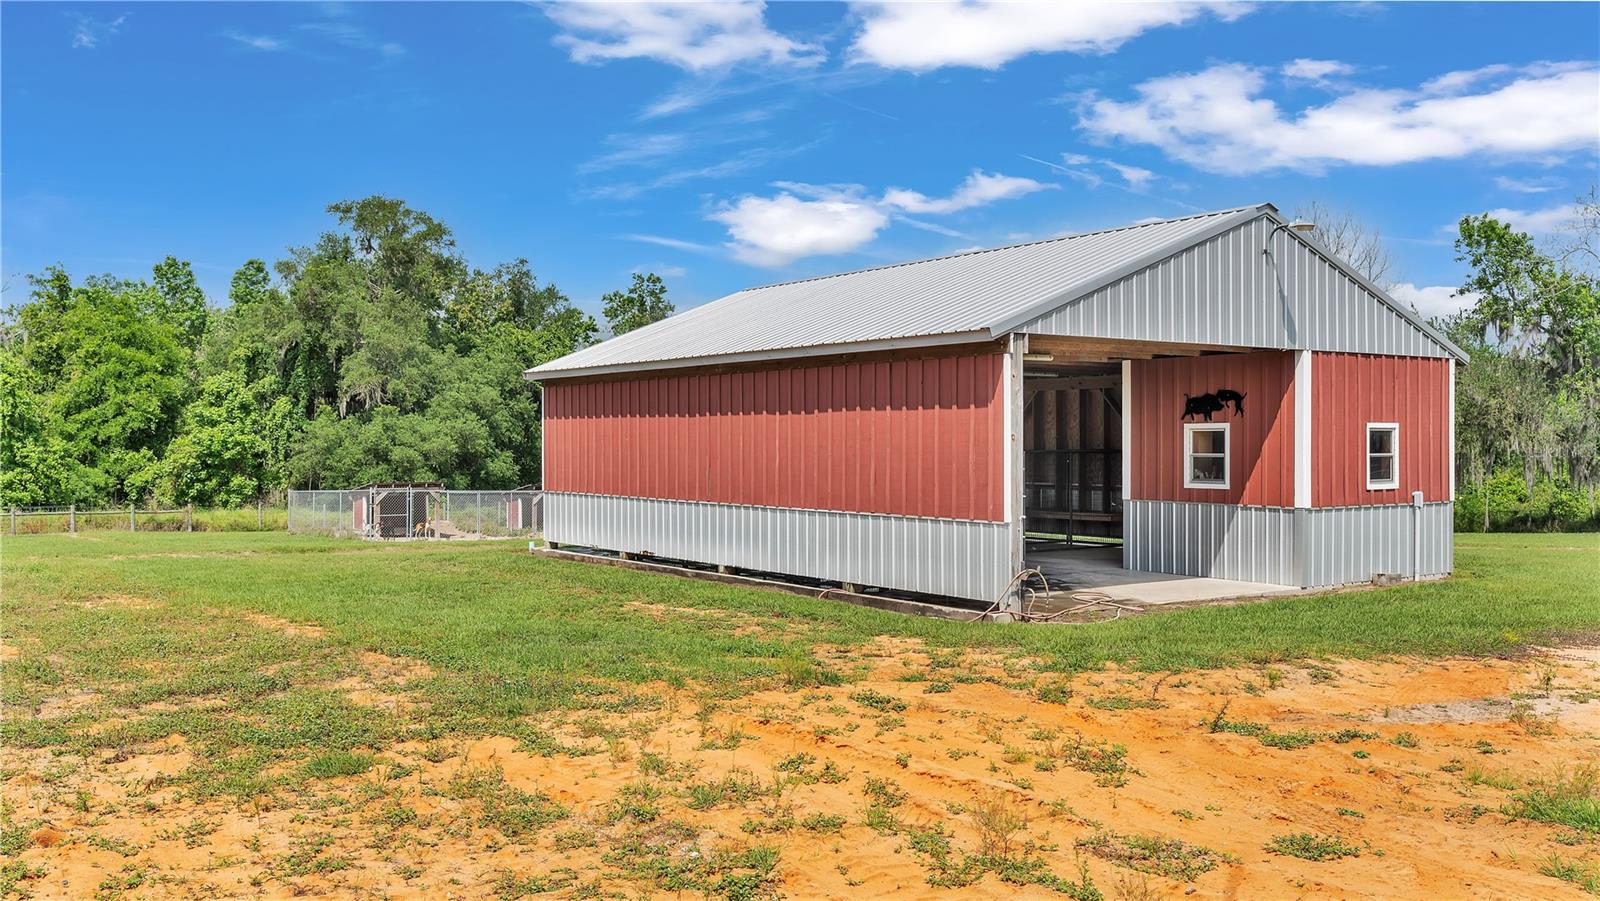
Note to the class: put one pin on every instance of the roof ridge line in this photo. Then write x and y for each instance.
(966, 253)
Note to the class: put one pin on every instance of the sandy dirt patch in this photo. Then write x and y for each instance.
(287, 627)
(857, 787)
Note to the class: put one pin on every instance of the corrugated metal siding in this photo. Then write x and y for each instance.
(1261, 466)
(1226, 291)
(1220, 541)
(1346, 545)
(954, 558)
(920, 437)
(1350, 390)
(950, 295)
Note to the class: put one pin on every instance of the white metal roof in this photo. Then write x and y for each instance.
(968, 296)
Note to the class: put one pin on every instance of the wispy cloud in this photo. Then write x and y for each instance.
(89, 32)
(1526, 185)
(260, 42)
(979, 189)
(674, 243)
(745, 161)
(354, 36)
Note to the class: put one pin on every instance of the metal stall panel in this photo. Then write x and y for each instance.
(1347, 545)
(1261, 439)
(1224, 290)
(955, 558)
(1220, 541)
(1351, 390)
(917, 437)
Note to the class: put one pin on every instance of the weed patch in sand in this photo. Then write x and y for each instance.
(1307, 846)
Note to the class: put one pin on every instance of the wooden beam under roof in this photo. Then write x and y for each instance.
(1122, 349)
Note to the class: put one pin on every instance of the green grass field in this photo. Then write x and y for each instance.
(245, 647)
(531, 633)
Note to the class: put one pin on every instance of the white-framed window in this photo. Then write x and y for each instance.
(1205, 455)
(1383, 456)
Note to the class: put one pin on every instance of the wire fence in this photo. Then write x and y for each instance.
(71, 519)
(417, 513)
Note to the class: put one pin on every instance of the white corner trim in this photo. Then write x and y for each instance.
(1189, 428)
(1366, 456)
(1302, 428)
(1127, 433)
(1452, 413)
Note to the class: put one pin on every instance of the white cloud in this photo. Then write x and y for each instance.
(1316, 69)
(1432, 300)
(810, 220)
(88, 32)
(1219, 120)
(1525, 185)
(693, 36)
(987, 34)
(1538, 222)
(774, 231)
(979, 189)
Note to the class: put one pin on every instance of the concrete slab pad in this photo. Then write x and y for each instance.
(1100, 569)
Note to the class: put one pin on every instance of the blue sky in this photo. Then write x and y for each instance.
(730, 145)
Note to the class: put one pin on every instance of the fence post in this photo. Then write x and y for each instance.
(188, 518)
(480, 514)
(72, 519)
(131, 526)
(13, 520)
(258, 516)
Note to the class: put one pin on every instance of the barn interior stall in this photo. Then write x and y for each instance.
(1072, 432)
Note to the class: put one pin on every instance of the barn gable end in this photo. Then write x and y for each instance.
(1225, 290)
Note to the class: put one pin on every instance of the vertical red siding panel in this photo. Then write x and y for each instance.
(968, 424)
(914, 437)
(838, 451)
(1261, 458)
(1352, 390)
(884, 439)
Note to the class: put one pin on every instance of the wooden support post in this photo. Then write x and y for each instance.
(132, 527)
(72, 519)
(13, 520)
(188, 518)
(725, 569)
(849, 587)
(625, 555)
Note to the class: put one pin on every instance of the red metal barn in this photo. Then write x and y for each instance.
(1217, 391)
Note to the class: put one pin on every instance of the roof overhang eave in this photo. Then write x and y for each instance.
(541, 373)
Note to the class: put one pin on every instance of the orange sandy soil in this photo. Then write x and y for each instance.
(1425, 823)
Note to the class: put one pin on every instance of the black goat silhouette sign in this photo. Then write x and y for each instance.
(1216, 402)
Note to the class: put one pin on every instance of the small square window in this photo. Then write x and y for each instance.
(1205, 455)
(1383, 456)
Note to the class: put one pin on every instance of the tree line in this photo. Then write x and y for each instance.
(1528, 403)
(376, 353)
